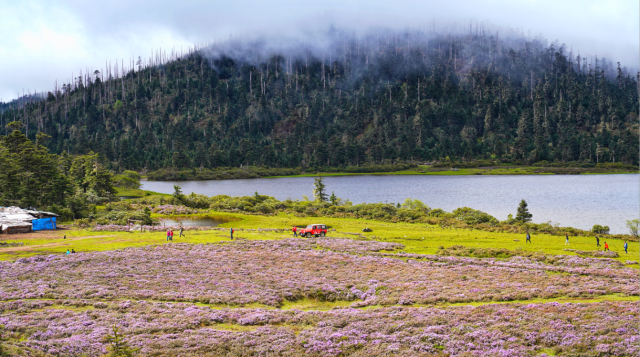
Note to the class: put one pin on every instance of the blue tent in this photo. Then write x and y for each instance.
(43, 224)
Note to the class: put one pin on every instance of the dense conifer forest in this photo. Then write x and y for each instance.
(385, 97)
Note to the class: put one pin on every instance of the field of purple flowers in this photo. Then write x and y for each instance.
(64, 305)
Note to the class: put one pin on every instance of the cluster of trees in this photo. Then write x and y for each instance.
(31, 177)
(374, 99)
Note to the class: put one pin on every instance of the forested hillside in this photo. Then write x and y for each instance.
(380, 98)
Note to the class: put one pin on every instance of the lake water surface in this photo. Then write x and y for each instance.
(570, 200)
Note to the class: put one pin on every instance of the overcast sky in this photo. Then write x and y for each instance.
(42, 41)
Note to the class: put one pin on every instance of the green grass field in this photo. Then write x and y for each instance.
(417, 238)
(503, 170)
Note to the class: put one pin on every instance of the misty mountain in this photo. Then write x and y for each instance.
(376, 98)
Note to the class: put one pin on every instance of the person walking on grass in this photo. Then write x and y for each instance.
(597, 241)
(168, 234)
(626, 245)
(566, 241)
(606, 246)
(295, 231)
(528, 238)
(181, 235)
(231, 232)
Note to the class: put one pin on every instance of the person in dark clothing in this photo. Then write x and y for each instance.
(597, 241)
(73, 251)
(181, 235)
(528, 238)
(231, 232)
(566, 241)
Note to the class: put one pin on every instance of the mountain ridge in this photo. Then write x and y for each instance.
(377, 99)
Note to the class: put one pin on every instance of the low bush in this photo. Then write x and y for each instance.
(600, 229)
(462, 251)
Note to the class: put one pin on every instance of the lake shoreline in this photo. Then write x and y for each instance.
(574, 200)
(513, 170)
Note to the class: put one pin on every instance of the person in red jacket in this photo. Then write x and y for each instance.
(295, 231)
(606, 246)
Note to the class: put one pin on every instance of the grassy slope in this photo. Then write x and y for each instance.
(417, 238)
(425, 170)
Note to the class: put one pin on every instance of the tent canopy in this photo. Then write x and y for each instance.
(44, 224)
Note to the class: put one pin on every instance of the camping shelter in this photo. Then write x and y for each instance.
(18, 220)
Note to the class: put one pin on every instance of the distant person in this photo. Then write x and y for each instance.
(181, 235)
(73, 251)
(171, 237)
(168, 234)
(597, 241)
(295, 231)
(528, 238)
(606, 246)
(626, 245)
(68, 252)
(231, 232)
(566, 241)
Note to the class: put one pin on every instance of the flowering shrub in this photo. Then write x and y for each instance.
(65, 305)
(170, 329)
(595, 253)
(157, 228)
(173, 210)
(270, 272)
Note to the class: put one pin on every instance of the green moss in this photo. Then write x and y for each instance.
(314, 304)
(233, 327)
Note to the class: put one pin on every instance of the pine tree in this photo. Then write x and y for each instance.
(118, 347)
(319, 192)
(333, 199)
(523, 214)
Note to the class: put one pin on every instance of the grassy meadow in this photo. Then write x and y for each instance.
(495, 170)
(417, 238)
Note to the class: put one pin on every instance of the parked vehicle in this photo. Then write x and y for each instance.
(317, 230)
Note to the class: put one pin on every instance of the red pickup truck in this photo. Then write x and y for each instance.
(318, 230)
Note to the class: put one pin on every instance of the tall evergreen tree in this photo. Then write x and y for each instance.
(523, 214)
(319, 191)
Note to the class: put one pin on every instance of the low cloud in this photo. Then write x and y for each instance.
(44, 41)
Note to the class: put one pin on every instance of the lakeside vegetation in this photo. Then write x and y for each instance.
(483, 167)
(412, 211)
